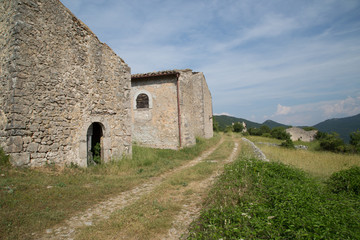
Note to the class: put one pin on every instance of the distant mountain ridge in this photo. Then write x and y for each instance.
(225, 120)
(342, 126)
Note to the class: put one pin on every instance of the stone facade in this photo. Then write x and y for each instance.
(61, 88)
(179, 108)
(302, 135)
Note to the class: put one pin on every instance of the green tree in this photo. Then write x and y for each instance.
(309, 128)
(254, 131)
(320, 135)
(238, 127)
(216, 126)
(229, 129)
(265, 129)
(332, 142)
(355, 140)
(288, 143)
(280, 133)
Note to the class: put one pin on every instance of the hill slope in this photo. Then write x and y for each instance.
(224, 121)
(272, 124)
(343, 126)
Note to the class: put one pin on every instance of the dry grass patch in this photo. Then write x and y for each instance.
(320, 164)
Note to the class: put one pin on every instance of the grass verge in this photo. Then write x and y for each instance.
(259, 200)
(33, 200)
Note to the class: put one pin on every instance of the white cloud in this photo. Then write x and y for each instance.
(282, 110)
(254, 54)
(349, 106)
(313, 113)
(224, 113)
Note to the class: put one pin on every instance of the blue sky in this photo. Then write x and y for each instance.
(293, 61)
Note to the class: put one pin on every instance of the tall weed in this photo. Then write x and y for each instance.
(259, 200)
(4, 158)
(345, 181)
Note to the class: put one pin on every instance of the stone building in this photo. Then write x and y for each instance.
(62, 90)
(301, 135)
(170, 108)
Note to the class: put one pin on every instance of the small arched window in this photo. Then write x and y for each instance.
(142, 101)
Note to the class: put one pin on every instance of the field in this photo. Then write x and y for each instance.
(32, 200)
(261, 200)
(164, 190)
(318, 163)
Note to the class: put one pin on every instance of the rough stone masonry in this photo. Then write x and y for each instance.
(62, 90)
(177, 108)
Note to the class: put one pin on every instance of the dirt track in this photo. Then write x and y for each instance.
(103, 210)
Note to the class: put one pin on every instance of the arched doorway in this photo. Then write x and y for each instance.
(95, 144)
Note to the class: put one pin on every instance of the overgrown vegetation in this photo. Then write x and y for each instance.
(332, 142)
(33, 200)
(4, 158)
(259, 200)
(347, 181)
(97, 153)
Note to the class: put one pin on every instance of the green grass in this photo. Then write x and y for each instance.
(260, 200)
(33, 200)
(320, 164)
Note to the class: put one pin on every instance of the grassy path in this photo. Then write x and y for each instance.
(190, 210)
(166, 211)
(80, 224)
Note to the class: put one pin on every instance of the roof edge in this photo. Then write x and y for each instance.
(159, 73)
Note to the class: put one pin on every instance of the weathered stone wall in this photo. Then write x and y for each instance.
(302, 135)
(196, 106)
(208, 111)
(57, 79)
(156, 126)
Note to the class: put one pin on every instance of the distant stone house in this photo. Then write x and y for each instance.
(62, 90)
(299, 134)
(170, 108)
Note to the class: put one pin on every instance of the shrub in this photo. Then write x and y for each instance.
(320, 135)
(238, 127)
(97, 153)
(288, 143)
(268, 135)
(4, 158)
(345, 181)
(280, 133)
(332, 142)
(216, 126)
(355, 140)
(309, 128)
(265, 129)
(228, 129)
(254, 131)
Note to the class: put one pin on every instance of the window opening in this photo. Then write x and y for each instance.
(142, 101)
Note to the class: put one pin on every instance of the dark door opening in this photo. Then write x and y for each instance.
(94, 144)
